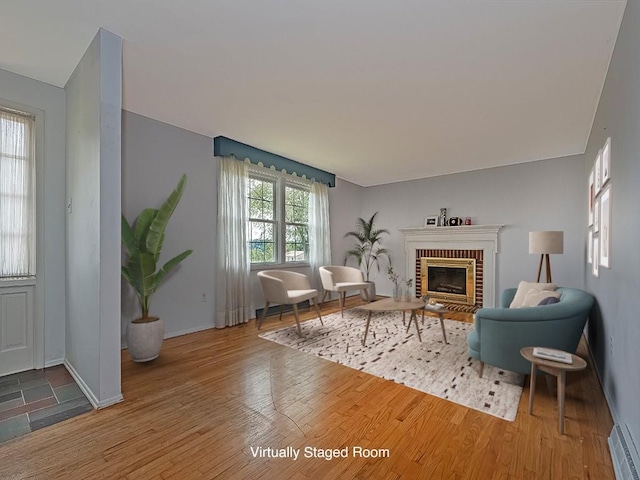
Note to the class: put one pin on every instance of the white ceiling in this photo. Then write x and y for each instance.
(375, 91)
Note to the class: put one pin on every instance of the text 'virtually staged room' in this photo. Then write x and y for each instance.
(319, 240)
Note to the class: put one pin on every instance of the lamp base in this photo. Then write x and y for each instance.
(544, 256)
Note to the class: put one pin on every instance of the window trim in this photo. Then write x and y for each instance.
(36, 124)
(281, 180)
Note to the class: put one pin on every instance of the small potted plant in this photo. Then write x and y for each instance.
(143, 244)
(367, 250)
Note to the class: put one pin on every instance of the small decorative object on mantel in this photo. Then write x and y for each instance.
(443, 217)
(455, 222)
(431, 221)
(467, 221)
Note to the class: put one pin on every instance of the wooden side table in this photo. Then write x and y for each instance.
(557, 369)
(440, 312)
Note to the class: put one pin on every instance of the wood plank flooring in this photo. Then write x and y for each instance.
(198, 410)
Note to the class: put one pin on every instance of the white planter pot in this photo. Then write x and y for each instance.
(372, 292)
(144, 340)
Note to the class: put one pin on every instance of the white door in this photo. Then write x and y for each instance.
(16, 329)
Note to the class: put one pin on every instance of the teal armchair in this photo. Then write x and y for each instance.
(500, 333)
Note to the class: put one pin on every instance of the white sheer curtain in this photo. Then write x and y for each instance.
(233, 298)
(319, 231)
(17, 196)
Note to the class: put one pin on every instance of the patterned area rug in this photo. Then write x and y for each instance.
(445, 371)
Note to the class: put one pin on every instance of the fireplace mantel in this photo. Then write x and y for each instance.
(464, 237)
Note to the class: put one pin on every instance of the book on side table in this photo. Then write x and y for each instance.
(552, 354)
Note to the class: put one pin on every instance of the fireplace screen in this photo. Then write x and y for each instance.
(449, 279)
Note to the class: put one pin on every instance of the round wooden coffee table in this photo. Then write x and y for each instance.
(390, 305)
(557, 369)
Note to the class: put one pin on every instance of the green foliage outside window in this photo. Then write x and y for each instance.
(271, 219)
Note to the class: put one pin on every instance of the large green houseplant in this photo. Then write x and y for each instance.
(367, 249)
(143, 242)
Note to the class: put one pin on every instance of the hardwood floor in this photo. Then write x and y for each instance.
(198, 410)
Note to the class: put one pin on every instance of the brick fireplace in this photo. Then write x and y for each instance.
(471, 244)
(452, 276)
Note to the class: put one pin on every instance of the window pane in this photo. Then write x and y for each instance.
(261, 199)
(296, 205)
(297, 243)
(262, 242)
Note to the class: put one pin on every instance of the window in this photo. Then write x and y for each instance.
(17, 199)
(296, 214)
(262, 220)
(278, 219)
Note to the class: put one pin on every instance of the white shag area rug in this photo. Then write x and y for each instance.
(392, 353)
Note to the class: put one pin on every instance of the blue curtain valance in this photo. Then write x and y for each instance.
(224, 147)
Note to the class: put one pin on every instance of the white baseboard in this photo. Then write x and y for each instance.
(188, 331)
(123, 345)
(87, 391)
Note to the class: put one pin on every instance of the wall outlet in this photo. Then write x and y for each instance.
(611, 346)
(204, 297)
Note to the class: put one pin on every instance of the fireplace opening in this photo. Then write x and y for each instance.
(449, 279)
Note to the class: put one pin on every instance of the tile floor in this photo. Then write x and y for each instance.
(38, 398)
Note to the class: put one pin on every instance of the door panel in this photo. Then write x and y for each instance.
(16, 329)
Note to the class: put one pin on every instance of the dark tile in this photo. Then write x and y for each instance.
(58, 376)
(55, 409)
(22, 386)
(14, 427)
(59, 417)
(16, 402)
(30, 375)
(8, 380)
(37, 393)
(30, 407)
(9, 396)
(67, 392)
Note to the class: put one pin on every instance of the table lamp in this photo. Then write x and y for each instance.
(545, 243)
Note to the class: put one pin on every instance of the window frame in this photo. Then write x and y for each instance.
(281, 181)
(35, 124)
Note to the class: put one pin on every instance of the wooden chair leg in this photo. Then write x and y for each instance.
(481, 369)
(315, 303)
(341, 296)
(295, 312)
(281, 310)
(324, 295)
(264, 315)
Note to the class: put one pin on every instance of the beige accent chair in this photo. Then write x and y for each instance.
(342, 280)
(286, 288)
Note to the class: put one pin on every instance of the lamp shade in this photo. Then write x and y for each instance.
(546, 242)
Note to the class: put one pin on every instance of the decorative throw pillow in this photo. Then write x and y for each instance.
(549, 301)
(526, 287)
(533, 298)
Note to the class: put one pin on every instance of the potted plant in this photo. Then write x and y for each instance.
(143, 244)
(367, 249)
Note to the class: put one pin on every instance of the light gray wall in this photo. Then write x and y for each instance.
(614, 330)
(154, 156)
(345, 206)
(93, 106)
(544, 195)
(48, 103)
